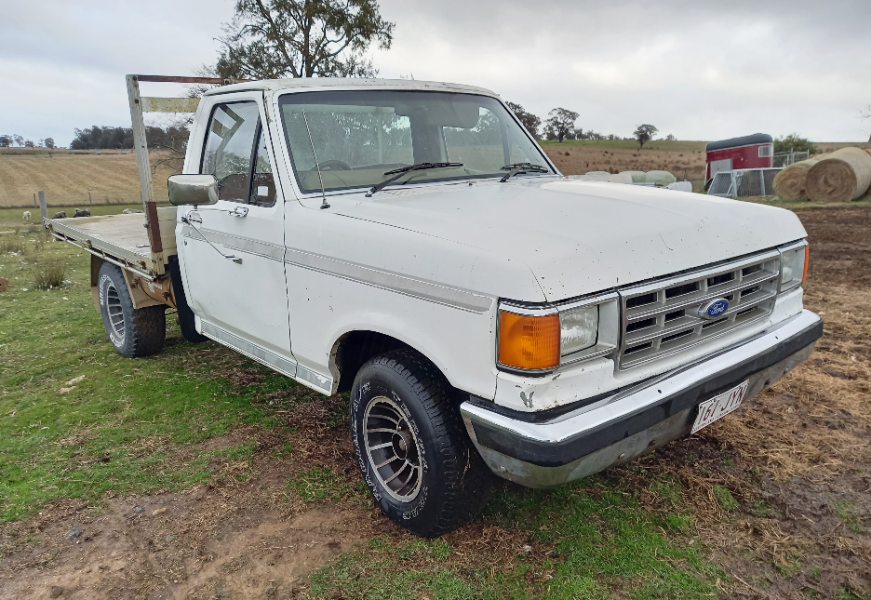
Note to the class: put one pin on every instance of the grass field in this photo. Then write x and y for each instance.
(66, 176)
(199, 474)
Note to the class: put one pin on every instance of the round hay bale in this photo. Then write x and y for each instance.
(842, 176)
(661, 178)
(598, 176)
(789, 184)
(637, 176)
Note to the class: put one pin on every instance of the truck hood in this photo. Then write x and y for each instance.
(579, 237)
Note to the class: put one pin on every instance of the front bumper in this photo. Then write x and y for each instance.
(543, 453)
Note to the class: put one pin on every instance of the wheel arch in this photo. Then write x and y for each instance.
(353, 348)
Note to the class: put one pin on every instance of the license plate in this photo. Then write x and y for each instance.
(719, 406)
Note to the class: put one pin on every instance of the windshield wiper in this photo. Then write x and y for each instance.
(517, 168)
(397, 173)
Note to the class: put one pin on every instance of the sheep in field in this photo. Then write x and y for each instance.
(61, 214)
(27, 216)
(82, 213)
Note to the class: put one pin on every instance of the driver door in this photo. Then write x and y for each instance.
(234, 250)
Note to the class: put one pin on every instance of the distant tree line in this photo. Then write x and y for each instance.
(10, 140)
(561, 124)
(174, 137)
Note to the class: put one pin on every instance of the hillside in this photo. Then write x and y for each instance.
(66, 176)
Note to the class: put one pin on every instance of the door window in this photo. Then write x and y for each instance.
(262, 183)
(229, 148)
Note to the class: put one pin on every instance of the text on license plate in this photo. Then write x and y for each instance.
(719, 406)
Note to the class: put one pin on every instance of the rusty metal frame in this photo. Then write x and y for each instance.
(138, 106)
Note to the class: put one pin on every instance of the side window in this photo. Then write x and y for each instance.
(229, 147)
(263, 183)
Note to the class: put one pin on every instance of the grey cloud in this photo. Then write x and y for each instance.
(696, 69)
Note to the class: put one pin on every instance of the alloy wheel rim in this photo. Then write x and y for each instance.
(393, 449)
(116, 312)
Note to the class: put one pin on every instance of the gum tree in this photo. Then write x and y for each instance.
(561, 123)
(644, 133)
(269, 39)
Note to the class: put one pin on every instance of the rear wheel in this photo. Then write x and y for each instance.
(134, 332)
(412, 448)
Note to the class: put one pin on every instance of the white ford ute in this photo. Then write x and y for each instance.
(409, 242)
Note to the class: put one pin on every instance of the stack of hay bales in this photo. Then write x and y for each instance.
(790, 183)
(620, 178)
(842, 176)
(658, 178)
(597, 176)
(637, 176)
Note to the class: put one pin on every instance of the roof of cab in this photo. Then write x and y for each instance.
(321, 83)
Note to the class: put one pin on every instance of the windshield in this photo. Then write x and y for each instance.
(359, 135)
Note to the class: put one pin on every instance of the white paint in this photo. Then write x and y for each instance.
(533, 239)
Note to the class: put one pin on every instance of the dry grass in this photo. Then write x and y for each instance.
(66, 176)
(49, 275)
(12, 245)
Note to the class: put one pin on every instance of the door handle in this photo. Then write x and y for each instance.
(194, 216)
(239, 211)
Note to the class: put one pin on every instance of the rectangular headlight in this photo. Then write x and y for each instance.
(579, 329)
(793, 267)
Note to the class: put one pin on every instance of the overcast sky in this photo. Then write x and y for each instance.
(696, 69)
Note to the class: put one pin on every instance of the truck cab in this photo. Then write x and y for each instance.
(410, 243)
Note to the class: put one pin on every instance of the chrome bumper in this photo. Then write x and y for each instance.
(536, 451)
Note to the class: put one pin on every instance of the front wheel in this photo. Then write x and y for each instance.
(413, 451)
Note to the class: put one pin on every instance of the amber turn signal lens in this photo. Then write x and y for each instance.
(807, 256)
(527, 342)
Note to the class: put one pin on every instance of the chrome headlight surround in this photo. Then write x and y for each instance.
(792, 265)
(575, 345)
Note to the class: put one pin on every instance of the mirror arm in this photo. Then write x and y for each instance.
(187, 221)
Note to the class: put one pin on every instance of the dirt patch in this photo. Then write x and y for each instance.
(202, 544)
(242, 378)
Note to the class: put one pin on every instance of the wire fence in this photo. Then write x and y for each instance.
(784, 159)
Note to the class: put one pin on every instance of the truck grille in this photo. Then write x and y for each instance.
(662, 318)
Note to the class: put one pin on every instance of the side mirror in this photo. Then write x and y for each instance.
(192, 189)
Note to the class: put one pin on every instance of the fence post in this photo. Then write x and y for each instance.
(43, 207)
(90, 201)
(35, 203)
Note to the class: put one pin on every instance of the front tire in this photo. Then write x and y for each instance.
(134, 332)
(412, 448)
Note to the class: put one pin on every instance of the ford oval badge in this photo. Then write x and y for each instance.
(714, 309)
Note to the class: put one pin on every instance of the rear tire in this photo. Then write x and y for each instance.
(134, 332)
(413, 451)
